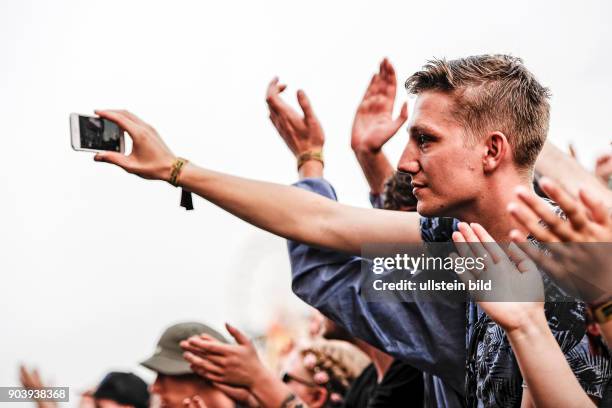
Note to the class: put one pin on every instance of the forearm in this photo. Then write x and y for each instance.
(555, 164)
(549, 378)
(282, 210)
(376, 169)
(300, 215)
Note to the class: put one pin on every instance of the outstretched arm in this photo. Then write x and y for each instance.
(373, 126)
(282, 210)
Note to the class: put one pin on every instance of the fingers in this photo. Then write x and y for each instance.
(462, 246)
(401, 118)
(466, 276)
(209, 347)
(520, 258)
(235, 393)
(568, 204)
(272, 94)
(305, 105)
(372, 87)
(497, 254)
(527, 218)
(118, 159)
(203, 363)
(474, 243)
(238, 335)
(596, 207)
(126, 120)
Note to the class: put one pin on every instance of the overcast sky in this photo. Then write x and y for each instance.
(95, 263)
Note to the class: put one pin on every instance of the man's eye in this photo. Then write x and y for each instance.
(422, 139)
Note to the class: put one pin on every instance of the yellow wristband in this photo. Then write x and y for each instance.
(309, 155)
(177, 167)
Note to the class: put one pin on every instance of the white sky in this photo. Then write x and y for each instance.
(96, 263)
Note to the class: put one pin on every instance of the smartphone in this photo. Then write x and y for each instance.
(94, 134)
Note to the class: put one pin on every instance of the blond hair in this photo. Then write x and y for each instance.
(492, 93)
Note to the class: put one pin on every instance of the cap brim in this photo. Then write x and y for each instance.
(167, 366)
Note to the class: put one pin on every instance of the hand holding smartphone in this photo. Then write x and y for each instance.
(95, 134)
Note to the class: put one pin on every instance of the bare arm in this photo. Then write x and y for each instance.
(373, 126)
(555, 164)
(282, 210)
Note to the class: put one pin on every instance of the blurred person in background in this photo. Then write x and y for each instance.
(176, 384)
(317, 374)
(116, 390)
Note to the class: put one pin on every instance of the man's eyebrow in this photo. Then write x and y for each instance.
(420, 128)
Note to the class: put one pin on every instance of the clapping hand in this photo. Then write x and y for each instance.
(373, 125)
(516, 293)
(301, 133)
(579, 256)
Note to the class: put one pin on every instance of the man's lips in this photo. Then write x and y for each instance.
(416, 186)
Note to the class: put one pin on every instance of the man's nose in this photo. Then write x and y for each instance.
(408, 163)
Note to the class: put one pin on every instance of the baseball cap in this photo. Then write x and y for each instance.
(168, 356)
(124, 389)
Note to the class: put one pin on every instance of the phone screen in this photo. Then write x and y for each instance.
(99, 134)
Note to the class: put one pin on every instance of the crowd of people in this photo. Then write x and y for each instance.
(476, 172)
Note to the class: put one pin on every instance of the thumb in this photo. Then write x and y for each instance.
(402, 117)
(115, 158)
(305, 105)
(237, 335)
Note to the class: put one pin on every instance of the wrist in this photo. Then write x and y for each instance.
(311, 169)
(365, 149)
(531, 324)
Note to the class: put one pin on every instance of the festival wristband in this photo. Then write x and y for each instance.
(309, 155)
(177, 167)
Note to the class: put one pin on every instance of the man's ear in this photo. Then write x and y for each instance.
(319, 398)
(496, 147)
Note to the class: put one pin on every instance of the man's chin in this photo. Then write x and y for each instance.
(424, 210)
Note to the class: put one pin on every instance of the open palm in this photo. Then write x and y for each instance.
(373, 125)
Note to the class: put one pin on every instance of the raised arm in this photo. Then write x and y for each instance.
(373, 126)
(282, 210)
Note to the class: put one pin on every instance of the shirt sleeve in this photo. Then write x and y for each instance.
(427, 335)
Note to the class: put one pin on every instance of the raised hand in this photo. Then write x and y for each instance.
(579, 256)
(301, 133)
(373, 125)
(31, 380)
(150, 157)
(517, 294)
(234, 364)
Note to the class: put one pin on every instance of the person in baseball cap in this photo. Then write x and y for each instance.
(175, 381)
